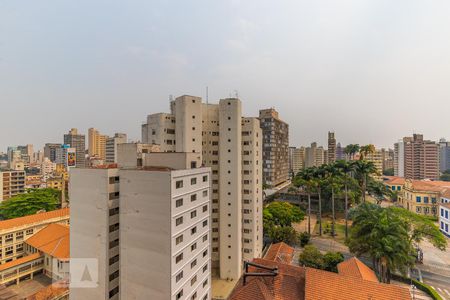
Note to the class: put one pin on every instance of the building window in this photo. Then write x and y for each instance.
(193, 263)
(418, 209)
(205, 267)
(179, 221)
(194, 230)
(179, 239)
(193, 197)
(179, 276)
(193, 280)
(179, 184)
(433, 200)
(418, 199)
(113, 211)
(205, 238)
(425, 199)
(179, 258)
(179, 295)
(205, 223)
(29, 231)
(205, 208)
(179, 202)
(205, 193)
(205, 253)
(205, 178)
(193, 181)
(193, 214)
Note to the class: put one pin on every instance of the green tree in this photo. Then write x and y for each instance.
(378, 190)
(284, 234)
(304, 238)
(282, 213)
(334, 180)
(388, 172)
(311, 257)
(305, 179)
(351, 150)
(31, 202)
(445, 176)
(364, 169)
(331, 260)
(383, 235)
(347, 168)
(364, 151)
(318, 174)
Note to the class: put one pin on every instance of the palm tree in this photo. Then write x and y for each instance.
(363, 169)
(318, 177)
(333, 177)
(351, 150)
(306, 179)
(366, 150)
(347, 169)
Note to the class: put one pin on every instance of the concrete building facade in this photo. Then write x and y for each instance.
(160, 130)
(111, 147)
(444, 155)
(96, 144)
(50, 151)
(156, 216)
(231, 146)
(77, 141)
(275, 147)
(12, 183)
(331, 148)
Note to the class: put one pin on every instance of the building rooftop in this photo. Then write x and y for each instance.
(393, 180)
(20, 261)
(280, 252)
(353, 267)
(36, 218)
(53, 240)
(52, 291)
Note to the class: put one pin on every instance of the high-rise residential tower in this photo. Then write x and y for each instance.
(444, 155)
(77, 141)
(314, 156)
(111, 147)
(331, 148)
(50, 151)
(96, 144)
(149, 227)
(275, 147)
(232, 146)
(420, 158)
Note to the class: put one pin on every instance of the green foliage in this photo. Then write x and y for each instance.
(331, 260)
(445, 176)
(427, 289)
(381, 234)
(388, 172)
(284, 234)
(282, 213)
(304, 238)
(30, 203)
(313, 258)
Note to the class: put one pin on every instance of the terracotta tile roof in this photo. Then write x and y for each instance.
(19, 261)
(280, 252)
(287, 285)
(325, 285)
(446, 193)
(53, 240)
(392, 180)
(353, 267)
(430, 186)
(36, 218)
(52, 291)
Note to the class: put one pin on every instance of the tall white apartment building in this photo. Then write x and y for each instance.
(399, 159)
(111, 147)
(232, 146)
(149, 227)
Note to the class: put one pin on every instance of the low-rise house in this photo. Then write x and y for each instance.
(271, 278)
(444, 213)
(394, 183)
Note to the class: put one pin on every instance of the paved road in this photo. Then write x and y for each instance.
(439, 282)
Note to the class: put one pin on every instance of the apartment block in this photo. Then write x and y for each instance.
(275, 147)
(50, 151)
(399, 159)
(421, 158)
(12, 183)
(444, 155)
(297, 159)
(156, 217)
(314, 156)
(96, 144)
(231, 146)
(444, 213)
(77, 141)
(377, 159)
(331, 148)
(111, 147)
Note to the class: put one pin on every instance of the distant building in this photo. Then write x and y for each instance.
(444, 155)
(331, 154)
(387, 156)
(297, 160)
(152, 132)
(377, 159)
(156, 216)
(340, 154)
(96, 144)
(444, 213)
(111, 147)
(314, 156)
(416, 158)
(275, 147)
(50, 151)
(12, 183)
(77, 141)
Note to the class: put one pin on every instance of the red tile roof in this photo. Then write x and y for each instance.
(353, 267)
(20, 261)
(288, 284)
(280, 252)
(392, 180)
(53, 240)
(52, 291)
(36, 218)
(325, 285)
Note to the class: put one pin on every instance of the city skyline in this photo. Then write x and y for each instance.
(109, 73)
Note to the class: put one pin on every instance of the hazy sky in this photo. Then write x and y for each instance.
(373, 71)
